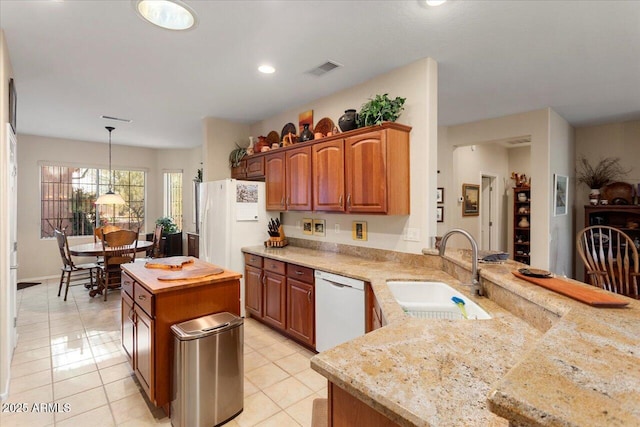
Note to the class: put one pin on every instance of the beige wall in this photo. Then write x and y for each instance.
(418, 83)
(620, 140)
(6, 300)
(34, 150)
(220, 137)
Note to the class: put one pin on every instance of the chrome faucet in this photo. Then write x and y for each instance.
(475, 279)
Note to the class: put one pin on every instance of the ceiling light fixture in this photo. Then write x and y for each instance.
(435, 2)
(266, 69)
(170, 14)
(110, 198)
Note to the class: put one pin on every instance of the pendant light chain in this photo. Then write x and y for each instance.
(110, 128)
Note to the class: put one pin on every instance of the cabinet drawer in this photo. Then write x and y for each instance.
(304, 274)
(253, 260)
(274, 266)
(127, 284)
(144, 299)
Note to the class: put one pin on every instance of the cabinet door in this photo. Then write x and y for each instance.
(275, 294)
(366, 172)
(144, 357)
(255, 167)
(240, 171)
(253, 290)
(275, 182)
(127, 317)
(328, 176)
(300, 310)
(298, 179)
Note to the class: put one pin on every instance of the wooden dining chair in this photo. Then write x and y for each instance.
(118, 247)
(611, 259)
(99, 231)
(79, 272)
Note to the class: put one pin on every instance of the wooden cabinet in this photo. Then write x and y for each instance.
(301, 303)
(346, 410)
(250, 168)
(367, 172)
(281, 295)
(275, 293)
(275, 181)
(522, 224)
(298, 179)
(150, 307)
(374, 318)
(239, 171)
(377, 172)
(193, 245)
(328, 176)
(128, 335)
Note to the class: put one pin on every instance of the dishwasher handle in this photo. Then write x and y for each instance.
(336, 284)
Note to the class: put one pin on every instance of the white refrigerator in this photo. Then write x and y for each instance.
(232, 216)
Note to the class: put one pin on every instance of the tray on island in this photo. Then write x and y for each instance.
(192, 274)
(170, 263)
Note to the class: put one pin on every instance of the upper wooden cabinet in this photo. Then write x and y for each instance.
(361, 171)
(251, 168)
(298, 179)
(328, 176)
(274, 170)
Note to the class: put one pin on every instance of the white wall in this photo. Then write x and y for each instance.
(418, 83)
(6, 299)
(33, 150)
(561, 228)
(534, 124)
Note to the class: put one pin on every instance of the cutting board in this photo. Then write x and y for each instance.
(171, 263)
(582, 293)
(197, 273)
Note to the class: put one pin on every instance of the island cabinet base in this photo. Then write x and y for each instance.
(149, 309)
(344, 410)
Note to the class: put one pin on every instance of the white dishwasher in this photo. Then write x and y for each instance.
(339, 309)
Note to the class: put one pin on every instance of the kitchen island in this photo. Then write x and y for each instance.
(543, 359)
(151, 304)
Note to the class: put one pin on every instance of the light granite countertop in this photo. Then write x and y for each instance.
(544, 360)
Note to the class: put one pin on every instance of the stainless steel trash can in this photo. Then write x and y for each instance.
(208, 370)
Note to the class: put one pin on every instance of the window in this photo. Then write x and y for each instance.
(68, 195)
(173, 197)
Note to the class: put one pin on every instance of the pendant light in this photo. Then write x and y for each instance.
(110, 198)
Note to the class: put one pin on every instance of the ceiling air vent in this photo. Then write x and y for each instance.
(520, 140)
(324, 68)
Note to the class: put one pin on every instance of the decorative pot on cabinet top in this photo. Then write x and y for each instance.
(348, 121)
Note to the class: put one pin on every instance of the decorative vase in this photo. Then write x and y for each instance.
(524, 222)
(306, 134)
(262, 142)
(348, 121)
(594, 196)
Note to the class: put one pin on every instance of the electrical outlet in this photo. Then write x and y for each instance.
(412, 235)
(336, 228)
(298, 225)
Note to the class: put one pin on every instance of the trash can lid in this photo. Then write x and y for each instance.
(206, 325)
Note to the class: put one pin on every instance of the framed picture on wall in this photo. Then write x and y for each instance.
(470, 200)
(440, 214)
(440, 195)
(560, 194)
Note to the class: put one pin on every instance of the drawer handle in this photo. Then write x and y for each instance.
(299, 273)
(142, 297)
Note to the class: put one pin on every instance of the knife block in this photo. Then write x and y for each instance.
(277, 241)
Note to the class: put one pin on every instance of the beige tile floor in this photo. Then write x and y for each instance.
(69, 353)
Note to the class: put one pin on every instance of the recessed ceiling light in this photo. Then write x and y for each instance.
(169, 14)
(266, 69)
(435, 2)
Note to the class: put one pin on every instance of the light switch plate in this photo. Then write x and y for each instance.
(336, 228)
(412, 235)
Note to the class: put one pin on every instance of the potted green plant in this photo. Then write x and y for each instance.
(595, 177)
(236, 156)
(168, 226)
(380, 109)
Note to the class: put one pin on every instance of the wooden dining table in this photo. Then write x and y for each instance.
(95, 249)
